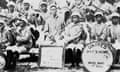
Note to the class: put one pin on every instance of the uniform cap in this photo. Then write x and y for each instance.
(27, 1)
(53, 5)
(114, 14)
(98, 13)
(117, 5)
(91, 8)
(76, 13)
(11, 4)
(43, 3)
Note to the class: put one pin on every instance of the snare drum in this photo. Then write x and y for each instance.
(98, 56)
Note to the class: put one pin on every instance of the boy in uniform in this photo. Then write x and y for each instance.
(74, 38)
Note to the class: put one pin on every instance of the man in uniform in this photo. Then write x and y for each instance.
(27, 10)
(43, 15)
(74, 38)
(103, 6)
(78, 5)
(44, 10)
(19, 5)
(114, 34)
(6, 40)
(53, 25)
(11, 11)
(24, 36)
(99, 31)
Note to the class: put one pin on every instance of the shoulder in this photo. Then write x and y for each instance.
(69, 25)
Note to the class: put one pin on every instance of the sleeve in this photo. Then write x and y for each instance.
(104, 35)
(27, 35)
(72, 3)
(4, 39)
(10, 37)
(61, 25)
(93, 32)
(46, 27)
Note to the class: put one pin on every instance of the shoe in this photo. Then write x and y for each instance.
(72, 66)
(77, 66)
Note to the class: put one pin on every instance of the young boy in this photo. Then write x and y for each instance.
(74, 39)
(99, 30)
(114, 34)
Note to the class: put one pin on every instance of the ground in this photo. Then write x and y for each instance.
(32, 67)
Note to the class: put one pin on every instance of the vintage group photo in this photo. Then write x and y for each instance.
(59, 35)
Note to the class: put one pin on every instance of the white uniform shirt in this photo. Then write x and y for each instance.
(12, 15)
(105, 7)
(99, 30)
(72, 31)
(53, 25)
(115, 33)
(79, 8)
(61, 3)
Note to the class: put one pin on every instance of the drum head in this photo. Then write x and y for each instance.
(2, 62)
(97, 57)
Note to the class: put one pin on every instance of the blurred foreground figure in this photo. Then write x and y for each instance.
(3, 36)
(23, 37)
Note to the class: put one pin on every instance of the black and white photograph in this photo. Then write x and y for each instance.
(59, 35)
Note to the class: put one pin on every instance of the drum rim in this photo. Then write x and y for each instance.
(5, 58)
(110, 46)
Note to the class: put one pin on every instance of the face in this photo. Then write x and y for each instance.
(102, 1)
(90, 18)
(118, 9)
(115, 20)
(10, 25)
(26, 6)
(20, 24)
(75, 18)
(98, 18)
(44, 8)
(11, 8)
(78, 2)
(53, 10)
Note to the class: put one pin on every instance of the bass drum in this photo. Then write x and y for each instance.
(98, 56)
(3, 61)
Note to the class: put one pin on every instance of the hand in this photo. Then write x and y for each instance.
(99, 39)
(61, 38)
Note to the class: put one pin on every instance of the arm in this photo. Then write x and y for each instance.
(68, 36)
(25, 37)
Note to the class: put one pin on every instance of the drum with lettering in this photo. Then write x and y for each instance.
(98, 56)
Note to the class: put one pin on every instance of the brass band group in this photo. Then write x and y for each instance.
(68, 23)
